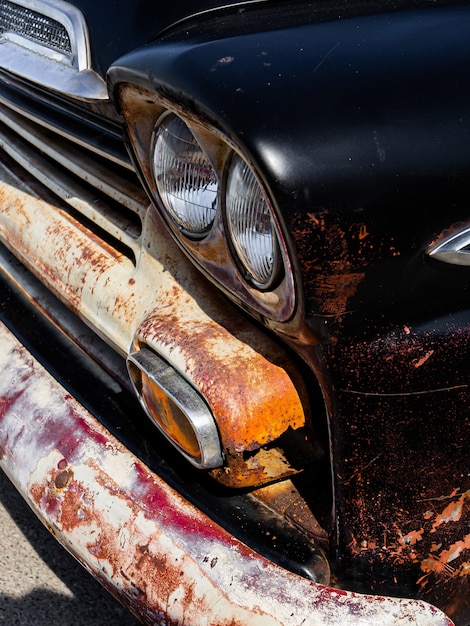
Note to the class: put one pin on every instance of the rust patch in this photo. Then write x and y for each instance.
(336, 250)
(259, 468)
(423, 359)
(452, 512)
(331, 258)
(407, 359)
(337, 290)
(154, 574)
(439, 560)
(253, 391)
(411, 538)
(62, 479)
(254, 400)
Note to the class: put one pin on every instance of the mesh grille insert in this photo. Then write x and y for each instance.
(36, 27)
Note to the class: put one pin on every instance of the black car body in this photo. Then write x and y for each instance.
(253, 217)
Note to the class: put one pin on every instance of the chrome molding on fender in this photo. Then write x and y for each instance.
(454, 249)
(46, 42)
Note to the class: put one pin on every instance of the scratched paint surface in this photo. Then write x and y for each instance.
(163, 558)
(403, 481)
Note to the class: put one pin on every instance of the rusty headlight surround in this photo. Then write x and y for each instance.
(211, 249)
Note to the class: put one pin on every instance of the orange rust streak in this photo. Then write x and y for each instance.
(363, 232)
(252, 397)
(423, 359)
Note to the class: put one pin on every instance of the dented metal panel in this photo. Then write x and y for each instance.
(164, 559)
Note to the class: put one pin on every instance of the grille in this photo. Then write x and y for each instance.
(82, 162)
(36, 27)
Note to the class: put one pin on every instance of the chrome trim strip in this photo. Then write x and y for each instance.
(45, 66)
(452, 249)
(41, 70)
(59, 131)
(76, 162)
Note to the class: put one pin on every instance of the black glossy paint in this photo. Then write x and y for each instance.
(117, 26)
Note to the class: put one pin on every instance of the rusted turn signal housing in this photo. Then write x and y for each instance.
(176, 408)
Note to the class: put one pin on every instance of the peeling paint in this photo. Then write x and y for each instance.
(165, 560)
(452, 512)
(423, 359)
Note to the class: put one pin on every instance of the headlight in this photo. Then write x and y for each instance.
(214, 202)
(251, 225)
(185, 179)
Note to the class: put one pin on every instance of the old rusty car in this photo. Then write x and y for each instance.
(235, 249)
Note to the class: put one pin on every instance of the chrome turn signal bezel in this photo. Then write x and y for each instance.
(182, 397)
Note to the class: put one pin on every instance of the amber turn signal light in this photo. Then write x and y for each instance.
(176, 408)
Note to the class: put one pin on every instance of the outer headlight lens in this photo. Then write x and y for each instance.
(251, 225)
(185, 179)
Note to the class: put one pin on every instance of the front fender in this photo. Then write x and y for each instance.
(357, 126)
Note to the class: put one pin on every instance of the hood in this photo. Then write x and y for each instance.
(118, 26)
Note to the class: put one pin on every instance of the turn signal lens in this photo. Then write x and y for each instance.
(176, 408)
(169, 417)
(186, 181)
(251, 225)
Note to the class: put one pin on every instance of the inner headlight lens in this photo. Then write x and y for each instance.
(185, 179)
(251, 225)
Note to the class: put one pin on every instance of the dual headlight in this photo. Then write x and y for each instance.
(194, 194)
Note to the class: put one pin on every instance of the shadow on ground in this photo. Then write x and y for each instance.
(86, 604)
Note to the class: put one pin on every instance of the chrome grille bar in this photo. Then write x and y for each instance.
(103, 142)
(77, 162)
(101, 192)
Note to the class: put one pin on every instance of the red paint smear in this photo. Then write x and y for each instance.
(162, 505)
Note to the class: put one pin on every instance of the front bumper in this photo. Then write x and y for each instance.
(162, 557)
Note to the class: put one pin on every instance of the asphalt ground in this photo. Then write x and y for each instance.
(40, 583)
